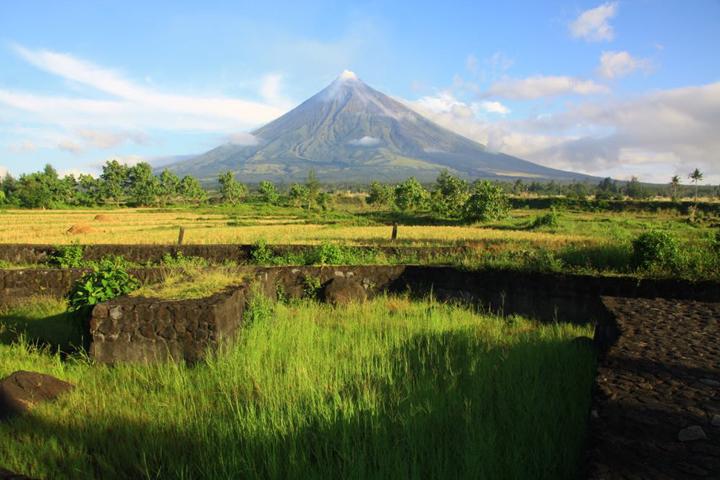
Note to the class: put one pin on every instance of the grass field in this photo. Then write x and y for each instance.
(390, 388)
(579, 241)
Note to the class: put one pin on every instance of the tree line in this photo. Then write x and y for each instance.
(450, 196)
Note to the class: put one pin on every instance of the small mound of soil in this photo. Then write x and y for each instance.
(102, 218)
(79, 229)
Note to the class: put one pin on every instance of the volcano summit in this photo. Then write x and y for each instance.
(351, 132)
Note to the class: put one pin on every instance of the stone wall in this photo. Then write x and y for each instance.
(33, 254)
(137, 329)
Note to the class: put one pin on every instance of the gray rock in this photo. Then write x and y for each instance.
(341, 291)
(715, 422)
(710, 382)
(692, 433)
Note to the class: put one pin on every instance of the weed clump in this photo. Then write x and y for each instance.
(655, 250)
(109, 279)
(67, 256)
(549, 220)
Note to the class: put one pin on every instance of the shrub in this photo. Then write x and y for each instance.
(655, 250)
(179, 260)
(329, 254)
(67, 256)
(312, 286)
(716, 243)
(550, 219)
(109, 279)
(488, 202)
(261, 254)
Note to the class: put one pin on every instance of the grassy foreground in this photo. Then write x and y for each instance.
(388, 389)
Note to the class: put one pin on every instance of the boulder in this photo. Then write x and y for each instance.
(341, 291)
(22, 390)
(8, 475)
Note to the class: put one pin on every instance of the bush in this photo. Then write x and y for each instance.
(550, 219)
(108, 279)
(179, 260)
(261, 254)
(488, 202)
(329, 254)
(67, 256)
(655, 250)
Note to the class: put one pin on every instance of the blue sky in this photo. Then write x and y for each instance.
(608, 88)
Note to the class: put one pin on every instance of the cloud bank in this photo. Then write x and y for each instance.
(593, 25)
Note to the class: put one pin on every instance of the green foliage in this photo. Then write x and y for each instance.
(715, 243)
(488, 202)
(190, 190)
(634, 189)
(655, 250)
(312, 286)
(67, 256)
(549, 220)
(329, 254)
(449, 195)
(109, 279)
(268, 192)
(259, 308)
(299, 195)
(410, 195)
(231, 191)
(169, 187)
(380, 195)
(261, 253)
(144, 187)
(114, 179)
(179, 260)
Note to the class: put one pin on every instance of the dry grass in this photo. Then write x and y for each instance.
(137, 226)
(190, 283)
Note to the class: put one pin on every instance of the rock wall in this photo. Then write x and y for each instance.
(33, 254)
(137, 329)
(54, 282)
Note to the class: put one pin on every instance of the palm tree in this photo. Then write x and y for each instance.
(696, 176)
(674, 186)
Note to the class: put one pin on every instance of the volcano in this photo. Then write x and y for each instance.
(350, 132)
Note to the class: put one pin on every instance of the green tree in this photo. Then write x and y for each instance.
(674, 187)
(696, 176)
(143, 186)
(634, 189)
(487, 202)
(268, 192)
(169, 186)
(41, 189)
(449, 195)
(299, 195)
(88, 190)
(313, 189)
(114, 182)
(410, 195)
(380, 195)
(607, 189)
(231, 191)
(190, 190)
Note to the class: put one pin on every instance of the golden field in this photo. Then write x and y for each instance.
(151, 226)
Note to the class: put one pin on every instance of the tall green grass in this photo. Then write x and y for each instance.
(387, 389)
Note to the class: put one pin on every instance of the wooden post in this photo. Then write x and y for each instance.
(181, 235)
(394, 232)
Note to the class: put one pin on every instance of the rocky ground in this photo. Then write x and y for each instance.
(656, 406)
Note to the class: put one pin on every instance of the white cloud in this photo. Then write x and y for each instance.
(544, 86)
(365, 141)
(494, 107)
(23, 146)
(592, 25)
(131, 108)
(620, 64)
(243, 138)
(271, 91)
(653, 136)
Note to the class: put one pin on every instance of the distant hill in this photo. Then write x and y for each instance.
(350, 132)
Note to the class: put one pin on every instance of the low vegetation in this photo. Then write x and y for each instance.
(389, 388)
